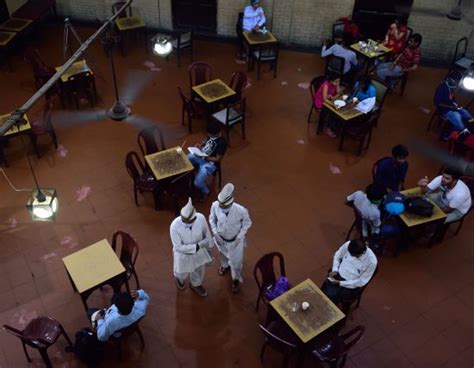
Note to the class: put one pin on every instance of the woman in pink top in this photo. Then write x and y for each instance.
(330, 88)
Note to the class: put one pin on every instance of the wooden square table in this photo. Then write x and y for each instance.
(92, 267)
(76, 68)
(412, 220)
(213, 91)
(169, 162)
(344, 114)
(15, 24)
(370, 54)
(258, 38)
(307, 324)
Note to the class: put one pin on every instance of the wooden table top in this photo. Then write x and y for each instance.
(6, 37)
(257, 38)
(93, 265)
(213, 90)
(381, 50)
(15, 24)
(169, 162)
(15, 129)
(307, 324)
(411, 219)
(346, 113)
(124, 24)
(76, 68)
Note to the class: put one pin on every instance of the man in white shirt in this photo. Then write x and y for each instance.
(229, 223)
(353, 266)
(254, 17)
(341, 49)
(192, 242)
(449, 192)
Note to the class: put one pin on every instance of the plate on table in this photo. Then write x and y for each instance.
(339, 103)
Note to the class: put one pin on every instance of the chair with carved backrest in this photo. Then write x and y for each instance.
(124, 333)
(264, 274)
(199, 73)
(44, 126)
(314, 86)
(182, 42)
(128, 254)
(150, 140)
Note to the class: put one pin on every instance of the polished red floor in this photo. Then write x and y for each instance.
(418, 310)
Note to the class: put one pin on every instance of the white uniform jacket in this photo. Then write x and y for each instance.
(232, 228)
(185, 239)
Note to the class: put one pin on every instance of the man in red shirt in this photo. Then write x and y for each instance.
(406, 61)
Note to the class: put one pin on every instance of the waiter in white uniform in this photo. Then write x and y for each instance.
(192, 241)
(229, 224)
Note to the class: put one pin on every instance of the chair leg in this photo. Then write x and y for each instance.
(44, 355)
(430, 123)
(142, 340)
(262, 352)
(136, 278)
(219, 174)
(26, 352)
(54, 138)
(361, 146)
(258, 71)
(178, 56)
(66, 336)
(258, 301)
(135, 195)
(310, 112)
(275, 70)
(459, 226)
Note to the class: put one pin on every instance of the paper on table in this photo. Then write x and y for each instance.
(366, 105)
(196, 152)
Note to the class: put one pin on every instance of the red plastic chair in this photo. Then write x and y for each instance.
(336, 350)
(147, 140)
(128, 254)
(267, 277)
(44, 126)
(313, 88)
(192, 108)
(40, 333)
(143, 181)
(280, 338)
(199, 73)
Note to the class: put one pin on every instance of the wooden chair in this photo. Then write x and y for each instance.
(361, 131)
(42, 73)
(393, 82)
(240, 37)
(199, 73)
(233, 114)
(381, 93)
(347, 304)
(313, 88)
(128, 255)
(147, 140)
(82, 85)
(266, 54)
(460, 61)
(334, 352)
(357, 224)
(334, 64)
(126, 13)
(264, 274)
(44, 126)
(143, 181)
(337, 29)
(125, 333)
(442, 123)
(40, 333)
(281, 339)
(183, 42)
(192, 108)
(469, 181)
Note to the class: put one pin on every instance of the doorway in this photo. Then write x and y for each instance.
(200, 15)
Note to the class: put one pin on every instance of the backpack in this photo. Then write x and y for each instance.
(393, 203)
(419, 206)
(87, 347)
(279, 287)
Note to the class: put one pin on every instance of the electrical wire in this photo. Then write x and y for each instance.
(11, 184)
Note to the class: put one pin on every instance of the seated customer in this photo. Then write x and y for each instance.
(446, 105)
(214, 147)
(352, 268)
(341, 49)
(391, 171)
(407, 61)
(396, 36)
(329, 88)
(254, 17)
(364, 89)
(449, 192)
(127, 308)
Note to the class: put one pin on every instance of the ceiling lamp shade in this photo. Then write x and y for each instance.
(162, 46)
(43, 204)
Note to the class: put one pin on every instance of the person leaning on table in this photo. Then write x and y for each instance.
(449, 192)
(254, 16)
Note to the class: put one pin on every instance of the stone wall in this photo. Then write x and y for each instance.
(299, 22)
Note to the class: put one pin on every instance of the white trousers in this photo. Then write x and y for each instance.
(234, 259)
(196, 277)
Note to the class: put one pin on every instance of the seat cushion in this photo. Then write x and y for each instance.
(267, 55)
(147, 182)
(234, 116)
(464, 62)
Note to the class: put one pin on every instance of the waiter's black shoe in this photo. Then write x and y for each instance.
(199, 290)
(180, 284)
(235, 286)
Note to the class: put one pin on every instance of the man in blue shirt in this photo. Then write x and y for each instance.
(446, 105)
(254, 17)
(127, 308)
(341, 49)
(391, 171)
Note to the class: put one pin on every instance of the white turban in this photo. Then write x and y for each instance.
(188, 212)
(226, 195)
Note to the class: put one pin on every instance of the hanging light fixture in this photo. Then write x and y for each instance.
(162, 46)
(468, 79)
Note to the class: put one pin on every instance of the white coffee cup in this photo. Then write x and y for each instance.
(305, 305)
(179, 150)
(345, 97)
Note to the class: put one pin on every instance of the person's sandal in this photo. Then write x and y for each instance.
(179, 284)
(199, 290)
(223, 270)
(235, 286)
